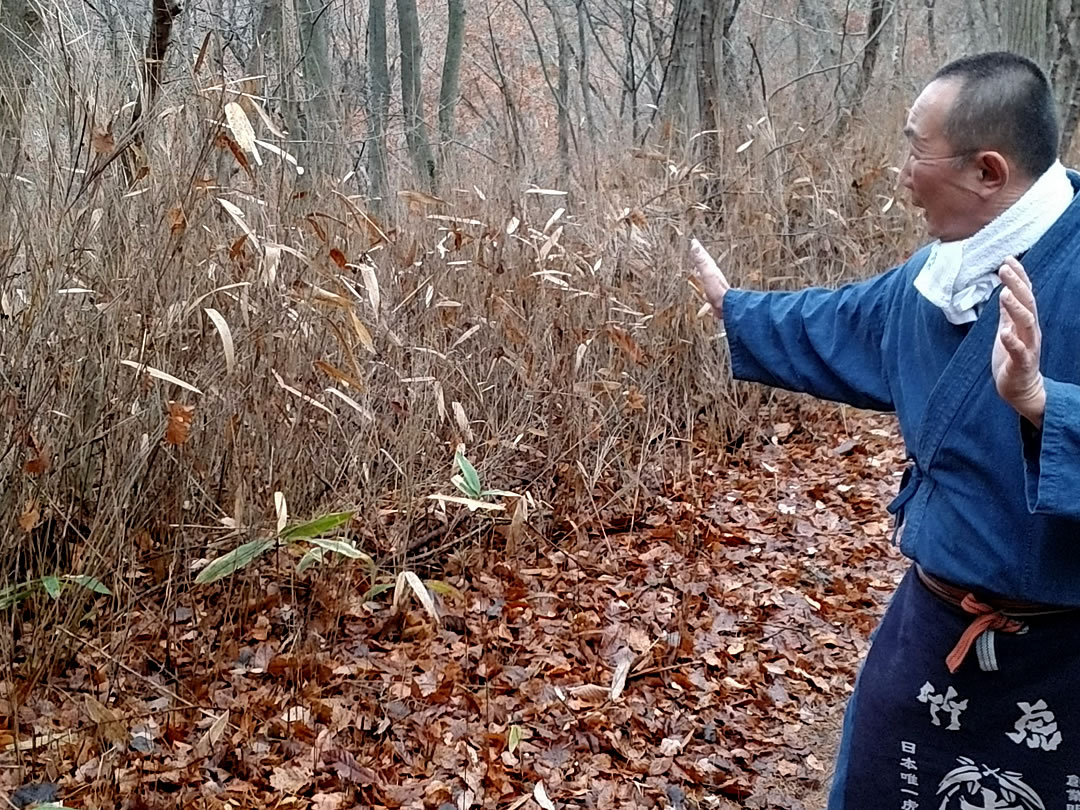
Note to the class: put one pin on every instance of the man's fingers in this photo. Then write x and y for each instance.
(713, 280)
(1013, 264)
(1020, 316)
(1014, 277)
(1018, 351)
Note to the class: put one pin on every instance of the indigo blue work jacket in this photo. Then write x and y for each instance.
(989, 503)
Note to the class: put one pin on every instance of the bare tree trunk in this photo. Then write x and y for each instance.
(583, 76)
(312, 113)
(562, 93)
(164, 13)
(630, 69)
(20, 30)
(448, 92)
(1024, 29)
(874, 27)
(513, 119)
(378, 101)
(1065, 72)
(709, 67)
(931, 29)
(412, 98)
(680, 62)
(725, 43)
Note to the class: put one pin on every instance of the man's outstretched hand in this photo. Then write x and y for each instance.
(1018, 347)
(712, 279)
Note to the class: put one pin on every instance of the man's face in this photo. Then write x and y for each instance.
(939, 180)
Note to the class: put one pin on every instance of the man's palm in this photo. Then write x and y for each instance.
(713, 281)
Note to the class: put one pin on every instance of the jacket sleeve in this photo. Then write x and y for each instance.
(816, 341)
(1052, 454)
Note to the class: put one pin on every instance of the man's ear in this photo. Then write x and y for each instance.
(992, 172)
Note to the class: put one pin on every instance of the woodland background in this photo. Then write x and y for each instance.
(362, 440)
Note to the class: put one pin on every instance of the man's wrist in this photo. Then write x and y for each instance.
(1034, 408)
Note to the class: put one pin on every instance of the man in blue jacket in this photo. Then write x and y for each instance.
(966, 698)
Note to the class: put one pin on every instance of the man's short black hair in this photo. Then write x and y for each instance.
(1005, 103)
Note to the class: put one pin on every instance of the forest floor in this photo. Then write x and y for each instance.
(696, 654)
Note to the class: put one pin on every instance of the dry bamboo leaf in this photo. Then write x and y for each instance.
(554, 218)
(371, 282)
(440, 402)
(618, 681)
(203, 50)
(352, 403)
(541, 797)
(408, 578)
(281, 509)
(462, 420)
(205, 746)
(30, 517)
(271, 260)
(369, 223)
(223, 141)
(339, 375)
(455, 220)
(512, 226)
(546, 192)
(338, 258)
(255, 105)
(160, 375)
(472, 330)
(300, 394)
(281, 153)
(469, 502)
(626, 344)
(550, 242)
(238, 217)
(242, 130)
(178, 428)
(226, 338)
(418, 200)
(362, 333)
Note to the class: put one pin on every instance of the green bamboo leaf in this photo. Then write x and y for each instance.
(515, 738)
(13, 594)
(343, 547)
(472, 480)
(90, 583)
(376, 590)
(236, 559)
(444, 589)
(313, 528)
(52, 586)
(459, 482)
(314, 556)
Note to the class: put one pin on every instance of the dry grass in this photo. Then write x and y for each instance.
(340, 357)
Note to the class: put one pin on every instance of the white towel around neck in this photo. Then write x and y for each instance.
(959, 277)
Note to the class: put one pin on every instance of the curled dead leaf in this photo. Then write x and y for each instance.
(31, 516)
(177, 220)
(104, 143)
(178, 428)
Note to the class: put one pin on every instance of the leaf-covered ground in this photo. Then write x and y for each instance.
(699, 655)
